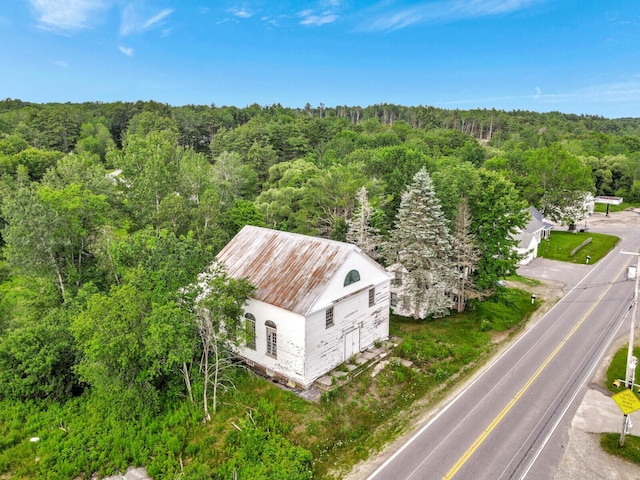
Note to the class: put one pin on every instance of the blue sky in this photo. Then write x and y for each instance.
(573, 56)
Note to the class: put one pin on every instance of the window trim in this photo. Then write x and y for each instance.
(272, 339)
(329, 318)
(250, 330)
(352, 277)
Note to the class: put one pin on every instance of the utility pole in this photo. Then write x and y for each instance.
(631, 360)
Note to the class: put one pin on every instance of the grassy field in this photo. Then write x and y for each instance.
(560, 245)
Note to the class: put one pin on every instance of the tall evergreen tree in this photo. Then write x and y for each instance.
(419, 251)
(466, 255)
(361, 232)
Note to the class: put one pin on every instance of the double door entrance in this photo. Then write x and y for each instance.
(351, 343)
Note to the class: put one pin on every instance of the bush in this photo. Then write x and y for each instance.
(36, 359)
(258, 450)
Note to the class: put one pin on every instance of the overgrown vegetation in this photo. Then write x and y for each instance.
(89, 434)
(560, 245)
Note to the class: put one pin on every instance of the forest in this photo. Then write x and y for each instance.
(110, 211)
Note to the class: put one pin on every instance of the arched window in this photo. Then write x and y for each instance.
(272, 339)
(352, 277)
(250, 330)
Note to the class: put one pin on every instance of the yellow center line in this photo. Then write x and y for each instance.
(474, 446)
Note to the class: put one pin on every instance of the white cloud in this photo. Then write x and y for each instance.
(66, 15)
(240, 12)
(385, 18)
(156, 19)
(134, 22)
(317, 20)
(605, 97)
(126, 50)
(314, 18)
(626, 91)
(60, 63)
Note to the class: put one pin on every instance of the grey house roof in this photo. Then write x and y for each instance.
(535, 224)
(288, 270)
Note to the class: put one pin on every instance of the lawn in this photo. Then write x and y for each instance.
(560, 245)
(602, 207)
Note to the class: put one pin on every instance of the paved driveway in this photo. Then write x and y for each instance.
(568, 274)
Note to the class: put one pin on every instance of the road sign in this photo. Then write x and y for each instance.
(627, 401)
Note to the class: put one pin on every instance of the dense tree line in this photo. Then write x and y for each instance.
(109, 212)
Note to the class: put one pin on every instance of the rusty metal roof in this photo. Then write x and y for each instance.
(288, 270)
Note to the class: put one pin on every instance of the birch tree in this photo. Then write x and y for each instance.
(419, 251)
(218, 318)
(465, 254)
(361, 232)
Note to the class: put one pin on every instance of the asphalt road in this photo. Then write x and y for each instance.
(511, 421)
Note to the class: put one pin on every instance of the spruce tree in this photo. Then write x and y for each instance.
(419, 252)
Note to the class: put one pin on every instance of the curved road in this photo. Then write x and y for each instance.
(511, 421)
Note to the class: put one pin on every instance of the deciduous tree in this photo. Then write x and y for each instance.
(465, 255)
(218, 312)
(498, 213)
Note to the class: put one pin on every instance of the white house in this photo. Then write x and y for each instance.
(317, 303)
(536, 230)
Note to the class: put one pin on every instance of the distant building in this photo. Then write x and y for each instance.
(607, 200)
(536, 230)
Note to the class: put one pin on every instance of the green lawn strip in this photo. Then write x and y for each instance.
(618, 367)
(610, 442)
(602, 207)
(350, 422)
(560, 245)
(526, 281)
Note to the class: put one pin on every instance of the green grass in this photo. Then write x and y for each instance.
(618, 367)
(602, 207)
(530, 282)
(560, 245)
(610, 442)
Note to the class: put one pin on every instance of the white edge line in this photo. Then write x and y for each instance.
(589, 374)
(486, 368)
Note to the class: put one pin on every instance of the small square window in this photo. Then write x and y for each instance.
(372, 297)
(328, 318)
